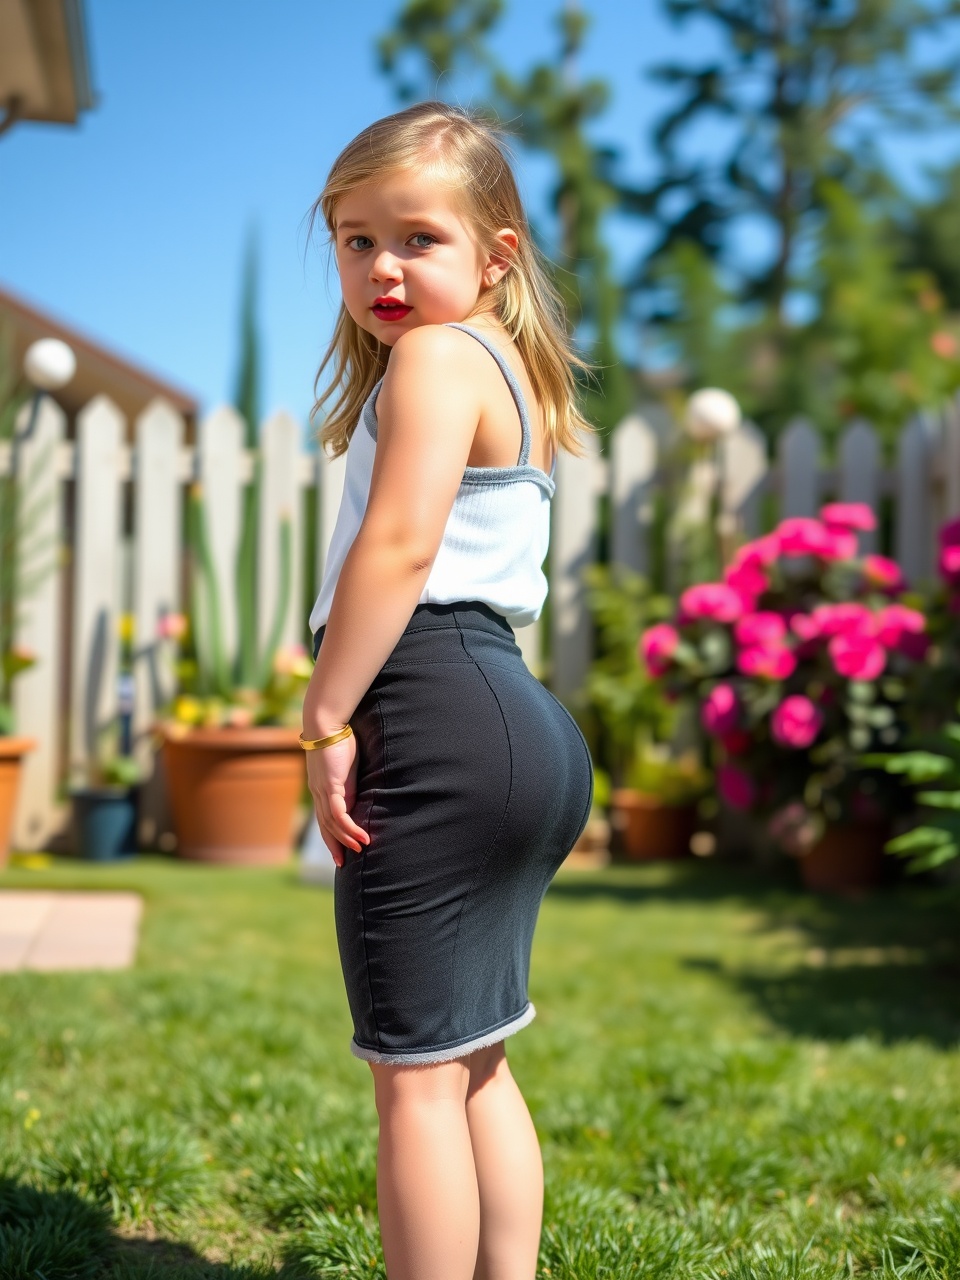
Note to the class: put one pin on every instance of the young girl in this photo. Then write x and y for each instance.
(449, 783)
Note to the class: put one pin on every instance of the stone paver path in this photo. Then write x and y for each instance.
(43, 929)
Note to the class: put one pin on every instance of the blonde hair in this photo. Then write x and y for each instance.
(468, 153)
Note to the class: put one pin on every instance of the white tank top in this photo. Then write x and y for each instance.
(496, 537)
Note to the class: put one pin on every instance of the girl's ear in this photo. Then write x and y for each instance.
(501, 257)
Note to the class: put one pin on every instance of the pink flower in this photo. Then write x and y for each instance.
(747, 578)
(657, 647)
(736, 787)
(950, 533)
(903, 629)
(802, 536)
(884, 573)
(773, 662)
(713, 600)
(943, 344)
(848, 619)
(858, 657)
(720, 711)
(848, 515)
(763, 628)
(796, 722)
(805, 626)
(840, 544)
(172, 626)
(949, 564)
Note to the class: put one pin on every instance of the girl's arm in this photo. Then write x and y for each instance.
(428, 409)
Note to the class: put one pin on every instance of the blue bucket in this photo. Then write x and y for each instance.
(105, 822)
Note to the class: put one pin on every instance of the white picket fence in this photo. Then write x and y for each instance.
(71, 623)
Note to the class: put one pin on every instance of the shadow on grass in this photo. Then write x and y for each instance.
(886, 965)
(57, 1235)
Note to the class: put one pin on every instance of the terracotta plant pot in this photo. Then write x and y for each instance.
(234, 793)
(12, 751)
(848, 858)
(650, 829)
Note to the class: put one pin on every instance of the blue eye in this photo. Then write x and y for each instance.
(424, 235)
(352, 242)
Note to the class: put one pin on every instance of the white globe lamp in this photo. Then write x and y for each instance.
(49, 364)
(711, 414)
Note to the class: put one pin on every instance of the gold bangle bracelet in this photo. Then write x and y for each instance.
(316, 743)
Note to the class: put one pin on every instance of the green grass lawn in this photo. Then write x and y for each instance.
(729, 1078)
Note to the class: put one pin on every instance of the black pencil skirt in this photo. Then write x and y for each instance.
(473, 783)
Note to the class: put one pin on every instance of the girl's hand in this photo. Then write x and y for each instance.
(332, 778)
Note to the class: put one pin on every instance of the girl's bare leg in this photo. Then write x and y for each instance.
(509, 1170)
(427, 1194)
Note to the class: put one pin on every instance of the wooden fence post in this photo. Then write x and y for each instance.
(157, 566)
(279, 497)
(634, 450)
(97, 588)
(221, 473)
(799, 456)
(914, 535)
(573, 546)
(36, 700)
(745, 468)
(860, 471)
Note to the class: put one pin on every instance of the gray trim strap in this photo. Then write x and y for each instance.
(450, 1052)
(486, 475)
(512, 383)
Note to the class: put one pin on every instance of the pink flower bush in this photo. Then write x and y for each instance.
(849, 515)
(711, 600)
(796, 722)
(657, 647)
(769, 653)
(720, 711)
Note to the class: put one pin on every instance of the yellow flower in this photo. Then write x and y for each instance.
(125, 627)
(187, 710)
(31, 1118)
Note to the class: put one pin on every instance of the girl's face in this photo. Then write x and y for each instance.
(406, 256)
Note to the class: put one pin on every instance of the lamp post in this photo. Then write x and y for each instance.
(48, 365)
(710, 415)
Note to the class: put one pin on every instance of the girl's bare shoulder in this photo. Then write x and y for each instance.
(440, 352)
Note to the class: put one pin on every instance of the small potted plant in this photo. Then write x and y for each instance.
(651, 785)
(798, 663)
(104, 792)
(13, 746)
(230, 736)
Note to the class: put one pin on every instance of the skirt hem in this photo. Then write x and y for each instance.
(425, 1057)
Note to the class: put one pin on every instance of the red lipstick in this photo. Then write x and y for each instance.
(390, 309)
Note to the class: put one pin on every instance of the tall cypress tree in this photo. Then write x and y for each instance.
(247, 403)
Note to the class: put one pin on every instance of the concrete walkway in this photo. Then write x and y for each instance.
(53, 931)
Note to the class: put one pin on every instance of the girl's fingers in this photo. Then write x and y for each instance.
(342, 822)
(336, 853)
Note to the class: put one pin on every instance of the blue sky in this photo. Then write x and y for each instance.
(217, 116)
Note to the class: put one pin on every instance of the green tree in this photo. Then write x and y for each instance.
(247, 403)
(796, 96)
